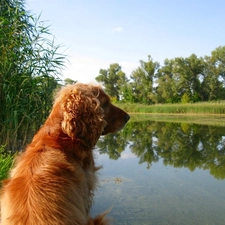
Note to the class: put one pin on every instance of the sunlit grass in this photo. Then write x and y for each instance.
(188, 108)
(204, 119)
(208, 113)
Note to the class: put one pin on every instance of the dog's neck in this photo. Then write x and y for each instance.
(56, 133)
(63, 138)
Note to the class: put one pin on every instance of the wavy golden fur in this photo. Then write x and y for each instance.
(53, 181)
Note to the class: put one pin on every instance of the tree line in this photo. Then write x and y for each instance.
(190, 79)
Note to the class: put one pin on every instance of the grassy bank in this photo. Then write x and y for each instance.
(188, 108)
(203, 119)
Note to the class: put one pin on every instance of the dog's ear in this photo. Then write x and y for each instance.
(83, 118)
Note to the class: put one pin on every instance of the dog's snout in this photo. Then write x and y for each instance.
(127, 117)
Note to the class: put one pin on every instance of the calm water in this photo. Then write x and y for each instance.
(163, 173)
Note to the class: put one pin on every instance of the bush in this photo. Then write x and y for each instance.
(185, 98)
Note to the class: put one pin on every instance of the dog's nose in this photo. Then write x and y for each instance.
(127, 117)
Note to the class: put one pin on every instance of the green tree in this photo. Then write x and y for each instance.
(128, 93)
(213, 84)
(166, 90)
(114, 80)
(186, 72)
(142, 81)
(180, 77)
(218, 59)
(29, 71)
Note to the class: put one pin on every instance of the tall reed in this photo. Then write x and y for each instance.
(30, 65)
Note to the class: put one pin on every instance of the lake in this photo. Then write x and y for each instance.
(162, 173)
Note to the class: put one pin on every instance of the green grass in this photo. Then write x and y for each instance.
(188, 108)
(6, 161)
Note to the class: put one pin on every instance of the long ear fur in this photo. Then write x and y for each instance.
(82, 114)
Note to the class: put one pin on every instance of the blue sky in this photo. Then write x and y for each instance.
(95, 34)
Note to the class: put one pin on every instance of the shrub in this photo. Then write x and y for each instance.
(185, 98)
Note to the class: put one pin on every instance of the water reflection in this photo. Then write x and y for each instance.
(177, 144)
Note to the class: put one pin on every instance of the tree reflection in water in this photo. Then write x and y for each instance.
(178, 144)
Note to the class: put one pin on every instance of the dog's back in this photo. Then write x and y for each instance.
(32, 196)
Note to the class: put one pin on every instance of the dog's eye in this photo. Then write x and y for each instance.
(105, 104)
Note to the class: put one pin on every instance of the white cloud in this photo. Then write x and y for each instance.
(117, 30)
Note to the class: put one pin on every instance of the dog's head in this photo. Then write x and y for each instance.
(88, 113)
